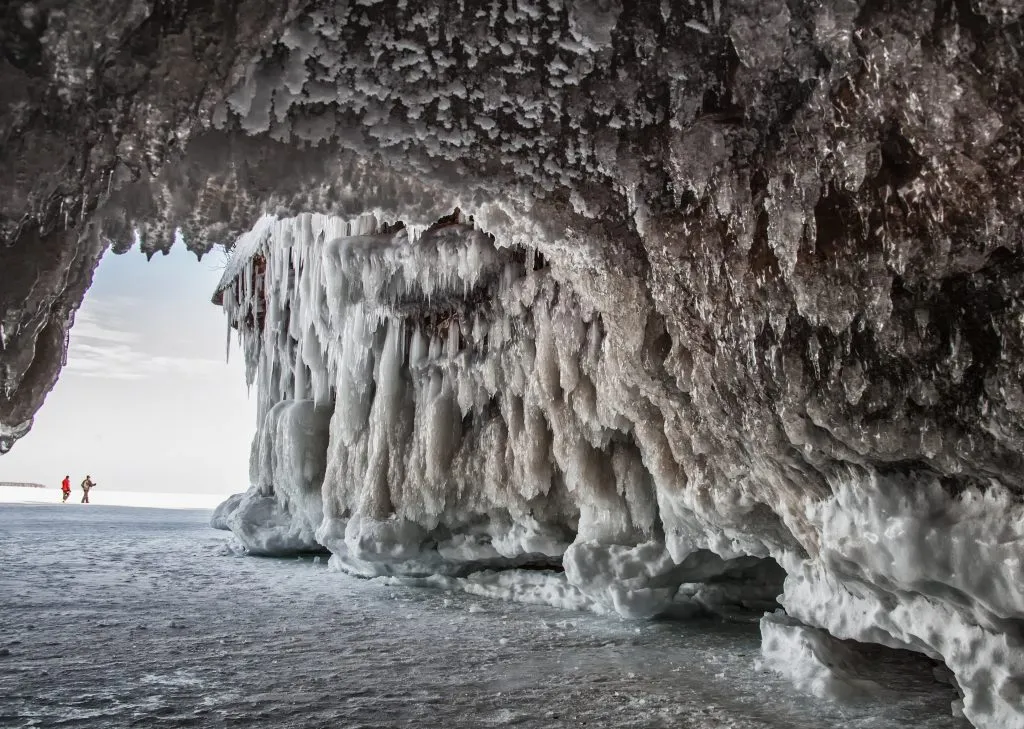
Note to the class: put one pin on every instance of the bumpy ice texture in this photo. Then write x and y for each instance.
(742, 282)
(481, 417)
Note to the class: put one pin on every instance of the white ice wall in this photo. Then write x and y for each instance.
(483, 414)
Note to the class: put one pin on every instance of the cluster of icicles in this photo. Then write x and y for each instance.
(432, 405)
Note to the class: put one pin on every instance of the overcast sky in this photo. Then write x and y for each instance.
(146, 401)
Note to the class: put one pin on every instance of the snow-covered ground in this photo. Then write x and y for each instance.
(118, 617)
(99, 495)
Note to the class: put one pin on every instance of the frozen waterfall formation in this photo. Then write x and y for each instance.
(731, 286)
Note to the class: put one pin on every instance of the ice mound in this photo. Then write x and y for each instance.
(813, 660)
(265, 527)
(219, 519)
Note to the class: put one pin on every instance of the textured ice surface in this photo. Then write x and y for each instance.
(219, 520)
(159, 623)
(908, 566)
(814, 661)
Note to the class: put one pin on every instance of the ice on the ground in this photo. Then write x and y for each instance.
(534, 587)
(813, 660)
(102, 496)
(183, 632)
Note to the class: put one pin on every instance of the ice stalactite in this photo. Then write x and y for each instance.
(438, 404)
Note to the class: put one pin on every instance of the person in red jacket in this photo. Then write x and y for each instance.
(65, 486)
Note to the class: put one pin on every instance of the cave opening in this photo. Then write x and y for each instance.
(145, 405)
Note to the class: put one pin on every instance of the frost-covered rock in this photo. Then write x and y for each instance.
(904, 563)
(265, 527)
(225, 509)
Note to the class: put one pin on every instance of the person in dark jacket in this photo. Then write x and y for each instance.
(87, 484)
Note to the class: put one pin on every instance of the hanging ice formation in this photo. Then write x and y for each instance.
(435, 404)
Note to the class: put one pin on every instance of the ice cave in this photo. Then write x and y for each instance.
(714, 297)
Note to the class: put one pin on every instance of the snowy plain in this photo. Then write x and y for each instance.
(101, 496)
(123, 617)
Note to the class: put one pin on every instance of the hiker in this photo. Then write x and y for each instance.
(86, 485)
(65, 487)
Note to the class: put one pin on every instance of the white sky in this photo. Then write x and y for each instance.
(146, 401)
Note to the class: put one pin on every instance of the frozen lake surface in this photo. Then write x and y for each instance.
(128, 617)
(101, 496)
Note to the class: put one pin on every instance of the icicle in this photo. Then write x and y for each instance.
(227, 306)
(453, 338)
(479, 328)
(389, 372)
(417, 348)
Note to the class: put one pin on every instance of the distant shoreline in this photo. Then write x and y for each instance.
(12, 484)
